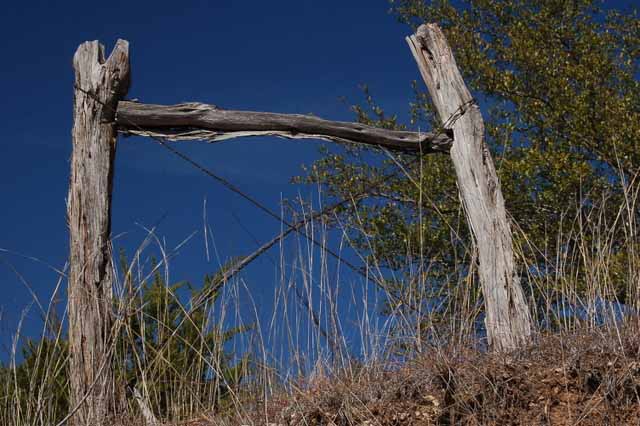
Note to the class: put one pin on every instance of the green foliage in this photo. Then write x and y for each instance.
(38, 385)
(558, 85)
(173, 354)
(170, 349)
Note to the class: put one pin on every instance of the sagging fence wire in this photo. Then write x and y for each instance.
(231, 271)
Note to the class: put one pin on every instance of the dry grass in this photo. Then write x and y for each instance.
(569, 379)
(315, 361)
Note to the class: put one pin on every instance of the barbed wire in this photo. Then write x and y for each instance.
(292, 227)
(226, 183)
(296, 227)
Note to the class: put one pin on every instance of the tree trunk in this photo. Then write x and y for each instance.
(99, 84)
(507, 321)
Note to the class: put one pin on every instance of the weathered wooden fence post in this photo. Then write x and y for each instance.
(508, 321)
(99, 84)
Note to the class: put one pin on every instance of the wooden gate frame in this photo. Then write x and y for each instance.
(100, 113)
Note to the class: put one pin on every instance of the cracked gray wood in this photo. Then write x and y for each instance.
(99, 86)
(508, 320)
(196, 121)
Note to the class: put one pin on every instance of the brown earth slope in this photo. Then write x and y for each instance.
(572, 380)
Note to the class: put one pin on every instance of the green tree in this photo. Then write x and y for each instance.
(558, 85)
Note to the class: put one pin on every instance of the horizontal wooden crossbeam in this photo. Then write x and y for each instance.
(196, 121)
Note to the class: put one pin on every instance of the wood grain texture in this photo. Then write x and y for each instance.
(508, 321)
(99, 84)
(192, 121)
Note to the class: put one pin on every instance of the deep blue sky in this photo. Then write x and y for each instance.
(286, 56)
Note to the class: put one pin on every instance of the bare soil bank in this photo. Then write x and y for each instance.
(591, 379)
